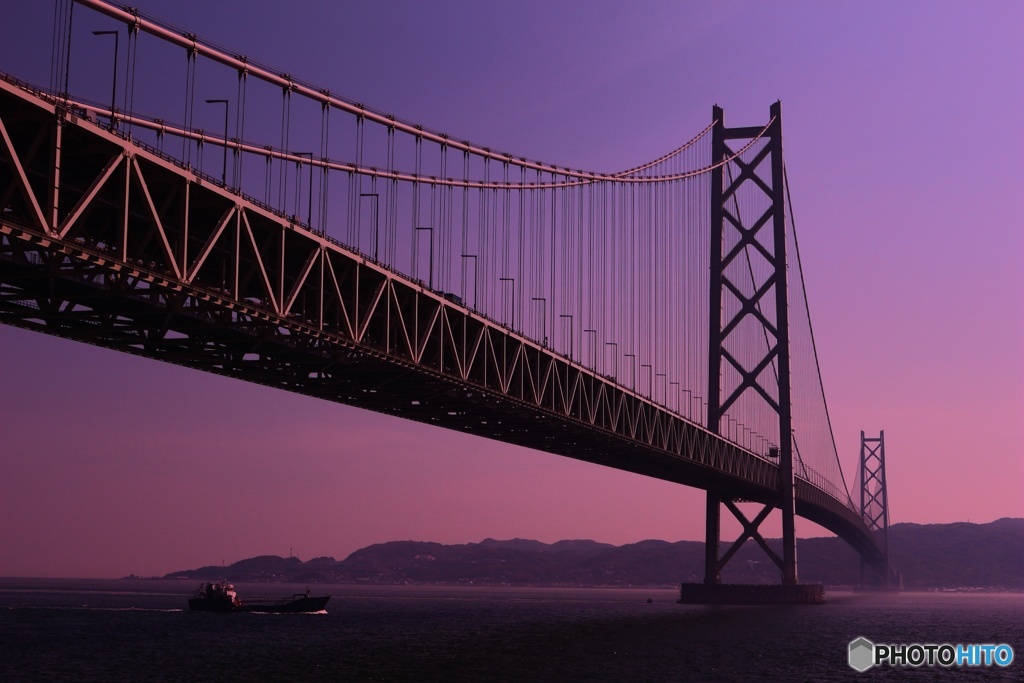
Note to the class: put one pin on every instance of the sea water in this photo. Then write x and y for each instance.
(141, 630)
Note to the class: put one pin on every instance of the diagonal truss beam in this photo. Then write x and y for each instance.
(90, 194)
(7, 147)
(750, 531)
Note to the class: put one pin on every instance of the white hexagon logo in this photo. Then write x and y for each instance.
(862, 654)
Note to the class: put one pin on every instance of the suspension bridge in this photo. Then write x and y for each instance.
(651, 319)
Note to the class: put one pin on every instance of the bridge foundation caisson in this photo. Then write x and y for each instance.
(732, 234)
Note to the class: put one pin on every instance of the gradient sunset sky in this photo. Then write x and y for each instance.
(904, 145)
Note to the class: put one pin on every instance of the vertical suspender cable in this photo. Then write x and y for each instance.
(67, 49)
(282, 179)
(325, 147)
(243, 81)
(392, 209)
(129, 89)
(56, 45)
(186, 142)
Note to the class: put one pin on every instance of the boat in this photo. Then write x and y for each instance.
(220, 596)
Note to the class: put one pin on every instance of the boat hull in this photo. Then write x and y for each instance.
(295, 605)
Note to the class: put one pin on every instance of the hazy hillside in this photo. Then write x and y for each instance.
(930, 556)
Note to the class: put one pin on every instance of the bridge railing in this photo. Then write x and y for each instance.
(820, 481)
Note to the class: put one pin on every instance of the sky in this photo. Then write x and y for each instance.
(904, 145)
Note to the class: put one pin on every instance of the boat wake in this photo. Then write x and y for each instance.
(92, 608)
(323, 611)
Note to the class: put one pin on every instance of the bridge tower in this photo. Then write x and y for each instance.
(874, 496)
(759, 311)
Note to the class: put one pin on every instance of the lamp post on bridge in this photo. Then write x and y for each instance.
(543, 319)
(513, 281)
(569, 316)
(113, 89)
(650, 380)
(464, 257)
(430, 270)
(594, 332)
(632, 368)
(224, 167)
(298, 177)
(615, 355)
(376, 223)
(664, 393)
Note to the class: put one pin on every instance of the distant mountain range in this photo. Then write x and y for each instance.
(930, 556)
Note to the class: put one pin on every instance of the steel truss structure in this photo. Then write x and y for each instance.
(762, 306)
(874, 498)
(106, 241)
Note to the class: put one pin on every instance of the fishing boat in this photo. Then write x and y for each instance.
(220, 596)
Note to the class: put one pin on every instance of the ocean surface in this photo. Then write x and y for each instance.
(141, 630)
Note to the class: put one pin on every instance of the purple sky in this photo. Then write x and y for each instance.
(904, 143)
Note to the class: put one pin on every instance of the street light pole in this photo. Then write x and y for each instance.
(543, 319)
(464, 257)
(569, 316)
(113, 89)
(513, 281)
(594, 332)
(299, 174)
(376, 223)
(430, 271)
(224, 168)
(615, 355)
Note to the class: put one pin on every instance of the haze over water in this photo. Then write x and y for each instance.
(138, 630)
